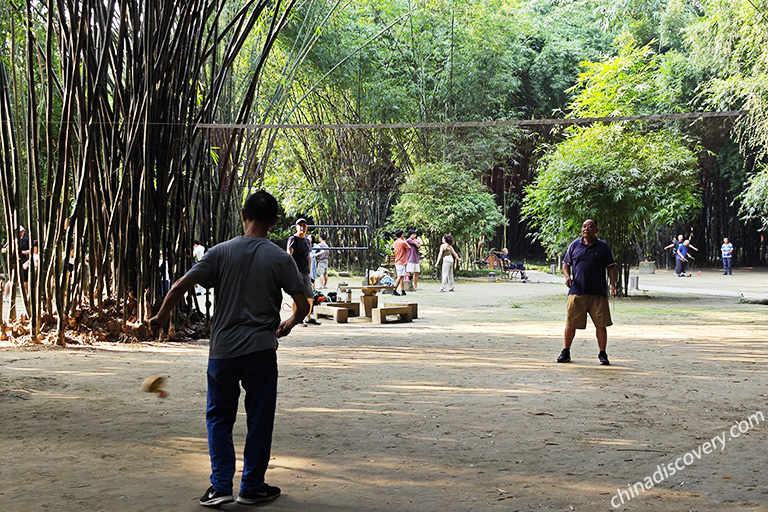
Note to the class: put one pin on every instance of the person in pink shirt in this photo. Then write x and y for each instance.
(414, 243)
(401, 260)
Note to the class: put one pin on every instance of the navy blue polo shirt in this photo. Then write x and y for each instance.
(588, 264)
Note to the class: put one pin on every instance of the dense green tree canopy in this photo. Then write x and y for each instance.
(729, 45)
(617, 176)
(442, 198)
(625, 180)
(628, 177)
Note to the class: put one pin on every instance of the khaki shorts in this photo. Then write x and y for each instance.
(580, 305)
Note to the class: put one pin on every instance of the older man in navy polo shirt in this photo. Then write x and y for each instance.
(584, 268)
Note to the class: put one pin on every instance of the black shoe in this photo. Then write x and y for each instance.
(214, 498)
(394, 292)
(311, 321)
(565, 356)
(603, 357)
(265, 493)
(402, 292)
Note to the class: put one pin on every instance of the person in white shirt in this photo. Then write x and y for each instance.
(165, 279)
(198, 251)
(321, 256)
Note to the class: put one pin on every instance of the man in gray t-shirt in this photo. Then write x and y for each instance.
(248, 275)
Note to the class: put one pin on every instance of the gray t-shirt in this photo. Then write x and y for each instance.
(248, 275)
(322, 254)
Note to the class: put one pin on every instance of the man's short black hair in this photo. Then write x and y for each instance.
(398, 233)
(196, 242)
(260, 206)
(323, 237)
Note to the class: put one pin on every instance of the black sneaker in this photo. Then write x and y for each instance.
(603, 357)
(265, 493)
(311, 321)
(565, 356)
(402, 292)
(214, 498)
(394, 292)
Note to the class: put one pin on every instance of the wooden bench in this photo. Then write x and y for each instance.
(413, 305)
(379, 315)
(390, 261)
(339, 315)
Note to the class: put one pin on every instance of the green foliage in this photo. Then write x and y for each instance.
(442, 198)
(631, 13)
(729, 43)
(754, 200)
(626, 177)
(553, 46)
(467, 60)
(619, 177)
(624, 85)
(400, 61)
(482, 148)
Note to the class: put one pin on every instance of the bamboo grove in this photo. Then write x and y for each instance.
(103, 159)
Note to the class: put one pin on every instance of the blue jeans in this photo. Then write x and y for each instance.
(727, 266)
(258, 374)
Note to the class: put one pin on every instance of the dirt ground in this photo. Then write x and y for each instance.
(462, 410)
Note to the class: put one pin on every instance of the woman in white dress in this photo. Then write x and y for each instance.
(448, 255)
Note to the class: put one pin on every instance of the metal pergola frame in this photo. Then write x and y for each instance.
(367, 249)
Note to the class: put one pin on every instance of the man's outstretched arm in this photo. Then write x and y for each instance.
(173, 297)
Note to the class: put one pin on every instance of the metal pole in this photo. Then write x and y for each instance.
(366, 248)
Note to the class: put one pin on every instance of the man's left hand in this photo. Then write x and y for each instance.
(614, 290)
